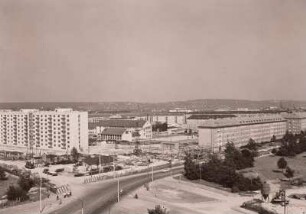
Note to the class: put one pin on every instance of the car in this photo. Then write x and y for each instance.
(79, 174)
(46, 164)
(165, 170)
(59, 170)
(29, 165)
(52, 173)
(46, 171)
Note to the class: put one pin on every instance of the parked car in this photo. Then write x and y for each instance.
(59, 170)
(29, 165)
(46, 171)
(47, 164)
(79, 174)
(165, 170)
(52, 173)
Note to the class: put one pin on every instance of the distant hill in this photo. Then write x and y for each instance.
(121, 107)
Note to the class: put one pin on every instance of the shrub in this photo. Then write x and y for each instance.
(2, 174)
(289, 172)
(158, 210)
(282, 163)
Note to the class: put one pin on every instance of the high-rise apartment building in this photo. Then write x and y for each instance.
(44, 131)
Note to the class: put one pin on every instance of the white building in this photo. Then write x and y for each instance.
(216, 133)
(116, 134)
(31, 130)
(296, 122)
(140, 129)
(195, 120)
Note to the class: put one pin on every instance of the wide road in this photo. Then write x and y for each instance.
(105, 194)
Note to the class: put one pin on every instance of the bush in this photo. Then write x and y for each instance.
(2, 174)
(289, 172)
(16, 193)
(26, 182)
(158, 210)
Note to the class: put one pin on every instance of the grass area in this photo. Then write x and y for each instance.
(265, 166)
(12, 180)
(174, 195)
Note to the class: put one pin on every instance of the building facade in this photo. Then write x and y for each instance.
(215, 134)
(193, 121)
(115, 134)
(32, 130)
(296, 122)
(140, 129)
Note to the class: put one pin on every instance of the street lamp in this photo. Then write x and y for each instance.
(40, 205)
(152, 173)
(82, 204)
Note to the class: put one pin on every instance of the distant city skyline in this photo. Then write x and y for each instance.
(152, 51)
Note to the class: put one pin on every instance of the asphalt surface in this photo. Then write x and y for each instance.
(104, 195)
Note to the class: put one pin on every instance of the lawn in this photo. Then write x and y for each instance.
(6, 183)
(265, 166)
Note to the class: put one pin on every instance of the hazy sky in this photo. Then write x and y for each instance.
(152, 50)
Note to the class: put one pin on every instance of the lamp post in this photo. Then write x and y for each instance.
(152, 173)
(82, 205)
(40, 205)
(118, 190)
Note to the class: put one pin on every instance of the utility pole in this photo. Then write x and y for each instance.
(99, 163)
(40, 207)
(200, 171)
(118, 190)
(152, 173)
(82, 210)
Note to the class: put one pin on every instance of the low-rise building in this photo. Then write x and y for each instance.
(214, 134)
(116, 134)
(140, 129)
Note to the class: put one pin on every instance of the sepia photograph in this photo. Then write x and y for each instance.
(152, 106)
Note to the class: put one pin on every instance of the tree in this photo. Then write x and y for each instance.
(2, 174)
(26, 182)
(158, 210)
(238, 159)
(273, 139)
(14, 193)
(282, 163)
(289, 172)
(191, 171)
(75, 154)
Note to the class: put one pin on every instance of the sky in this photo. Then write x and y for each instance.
(152, 50)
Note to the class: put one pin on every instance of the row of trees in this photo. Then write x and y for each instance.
(224, 172)
(292, 144)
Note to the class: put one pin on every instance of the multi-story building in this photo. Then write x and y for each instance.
(216, 133)
(169, 118)
(296, 122)
(44, 131)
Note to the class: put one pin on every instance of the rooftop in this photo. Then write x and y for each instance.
(113, 131)
(209, 116)
(242, 121)
(121, 123)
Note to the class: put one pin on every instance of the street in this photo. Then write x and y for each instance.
(105, 194)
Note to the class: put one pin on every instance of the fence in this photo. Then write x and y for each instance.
(96, 178)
